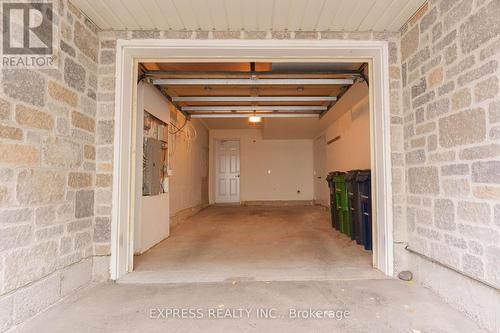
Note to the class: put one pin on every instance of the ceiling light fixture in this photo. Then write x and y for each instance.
(254, 119)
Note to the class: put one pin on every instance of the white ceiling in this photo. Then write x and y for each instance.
(251, 15)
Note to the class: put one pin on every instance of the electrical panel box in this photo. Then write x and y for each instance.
(152, 167)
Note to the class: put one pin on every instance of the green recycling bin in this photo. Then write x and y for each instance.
(342, 203)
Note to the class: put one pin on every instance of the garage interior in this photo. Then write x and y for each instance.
(243, 152)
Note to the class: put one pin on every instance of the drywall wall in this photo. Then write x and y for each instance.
(189, 164)
(271, 170)
(151, 223)
(349, 121)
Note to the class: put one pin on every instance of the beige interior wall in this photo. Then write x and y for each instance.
(290, 163)
(189, 163)
(151, 220)
(349, 119)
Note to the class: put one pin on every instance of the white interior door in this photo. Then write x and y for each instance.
(321, 194)
(227, 171)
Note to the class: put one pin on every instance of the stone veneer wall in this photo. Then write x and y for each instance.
(451, 102)
(48, 173)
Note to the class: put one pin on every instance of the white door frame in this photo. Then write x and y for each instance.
(216, 164)
(130, 52)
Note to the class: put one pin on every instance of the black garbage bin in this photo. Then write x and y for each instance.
(364, 186)
(354, 205)
(333, 205)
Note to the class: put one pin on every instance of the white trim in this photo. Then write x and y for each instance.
(262, 115)
(129, 52)
(251, 81)
(254, 98)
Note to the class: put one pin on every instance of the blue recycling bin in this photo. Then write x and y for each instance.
(363, 179)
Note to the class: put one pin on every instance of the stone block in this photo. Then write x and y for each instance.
(409, 43)
(62, 153)
(82, 121)
(451, 54)
(27, 264)
(40, 186)
(65, 245)
(36, 298)
(486, 172)
(438, 108)
(104, 180)
(6, 312)
(49, 233)
(105, 131)
(79, 179)
(418, 59)
(79, 225)
(16, 216)
(487, 192)
(415, 157)
(15, 236)
(25, 85)
(457, 14)
(494, 112)
(62, 94)
(45, 215)
(429, 233)
(82, 241)
(435, 77)
(445, 41)
(493, 264)
(474, 212)
(494, 133)
(11, 133)
(445, 254)
(65, 47)
(19, 155)
(466, 127)
(482, 234)
(423, 180)
(486, 89)
(419, 88)
(428, 20)
(100, 269)
(423, 99)
(475, 247)
(102, 229)
(444, 214)
(460, 67)
(446, 88)
(33, 118)
(480, 27)
(84, 204)
(477, 73)
(455, 241)
(480, 152)
(86, 41)
(107, 57)
(473, 265)
(455, 170)
(89, 152)
(456, 188)
(5, 109)
(423, 216)
(76, 276)
(461, 99)
(74, 75)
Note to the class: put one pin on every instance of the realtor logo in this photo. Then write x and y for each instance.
(27, 34)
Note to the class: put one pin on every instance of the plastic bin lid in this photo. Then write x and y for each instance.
(363, 175)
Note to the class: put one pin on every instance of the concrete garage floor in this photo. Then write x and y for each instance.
(225, 243)
(270, 259)
(374, 306)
